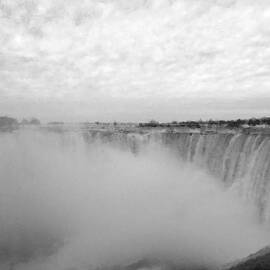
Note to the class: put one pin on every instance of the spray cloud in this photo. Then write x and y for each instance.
(66, 204)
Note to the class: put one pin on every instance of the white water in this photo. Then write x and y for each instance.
(239, 161)
(69, 204)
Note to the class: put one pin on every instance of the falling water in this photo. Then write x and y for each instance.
(238, 160)
(74, 199)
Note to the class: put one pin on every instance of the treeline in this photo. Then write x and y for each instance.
(6, 121)
(239, 123)
(10, 123)
(31, 121)
(153, 124)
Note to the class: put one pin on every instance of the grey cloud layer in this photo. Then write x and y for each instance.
(72, 51)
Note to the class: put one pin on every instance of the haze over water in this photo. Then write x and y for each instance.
(66, 204)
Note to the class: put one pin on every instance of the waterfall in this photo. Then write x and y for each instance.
(236, 159)
(110, 197)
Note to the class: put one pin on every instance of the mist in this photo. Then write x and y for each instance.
(66, 205)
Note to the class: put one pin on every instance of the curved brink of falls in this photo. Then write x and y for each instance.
(236, 159)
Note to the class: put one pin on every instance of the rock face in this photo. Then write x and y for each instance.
(257, 261)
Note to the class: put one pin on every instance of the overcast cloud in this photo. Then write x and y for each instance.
(133, 60)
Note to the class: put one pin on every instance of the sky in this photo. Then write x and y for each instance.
(134, 60)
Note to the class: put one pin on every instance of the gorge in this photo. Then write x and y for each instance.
(102, 199)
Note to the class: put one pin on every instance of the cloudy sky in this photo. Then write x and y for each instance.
(134, 60)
